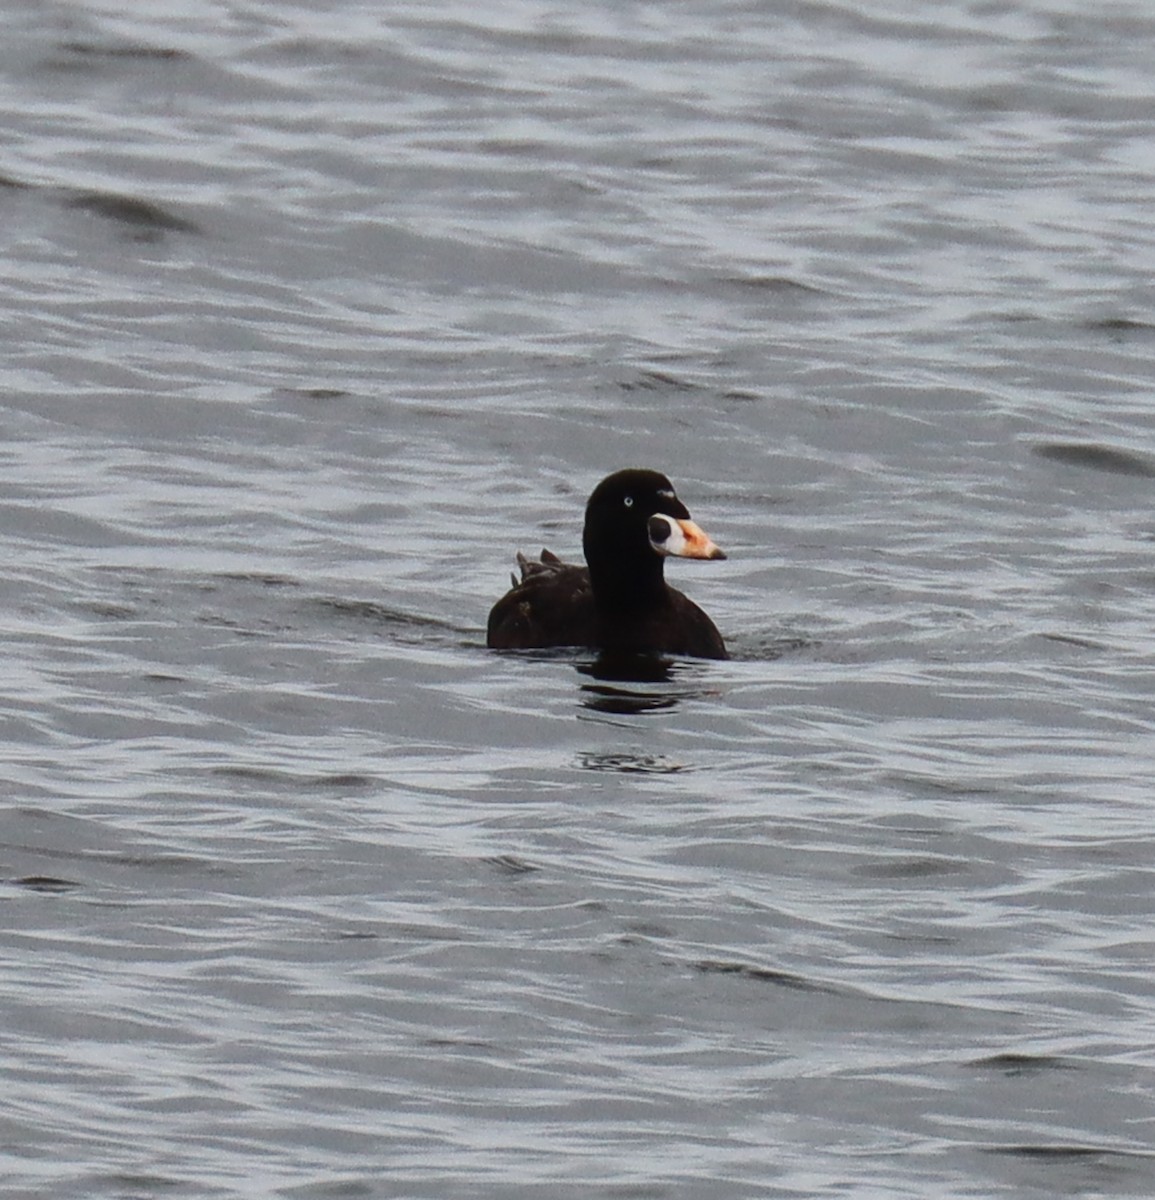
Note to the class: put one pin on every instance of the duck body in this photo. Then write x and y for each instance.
(619, 603)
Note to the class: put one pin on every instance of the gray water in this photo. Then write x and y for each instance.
(313, 315)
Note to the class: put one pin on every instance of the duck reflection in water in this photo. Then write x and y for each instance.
(651, 672)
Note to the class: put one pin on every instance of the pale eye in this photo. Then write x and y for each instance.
(628, 502)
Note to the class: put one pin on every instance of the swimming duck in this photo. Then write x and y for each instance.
(620, 602)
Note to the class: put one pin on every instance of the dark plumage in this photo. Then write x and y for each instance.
(620, 601)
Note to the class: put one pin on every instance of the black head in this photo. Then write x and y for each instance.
(627, 534)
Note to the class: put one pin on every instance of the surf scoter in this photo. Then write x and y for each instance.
(620, 602)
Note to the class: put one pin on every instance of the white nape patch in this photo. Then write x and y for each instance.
(666, 535)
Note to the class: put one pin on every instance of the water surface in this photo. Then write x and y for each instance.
(312, 317)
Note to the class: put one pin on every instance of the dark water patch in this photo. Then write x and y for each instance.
(1096, 457)
(647, 929)
(779, 285)
(339, 1189)
(1118, 329)
(1013, 1064)
(459, 1043)
(514, 147)
(45, 883)
(921, 939)
(648, 1191)
(110, 610)
(1058, 1153)
(340, 782)
(911, 868)
(382, 614)
(133, 1185)
(1071, 639)
(143, 216)
(658, 381)
(241, 626)
(1120, 325)
(186, 864)
(264, 778)
(1079, 1168)
(129, 50)
(6, 181)
(510, 864)
(1018, 318)
(925, 784)
(773, 975)
(769, 647)
(314, 393)
(267, 580)
(625, 763)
